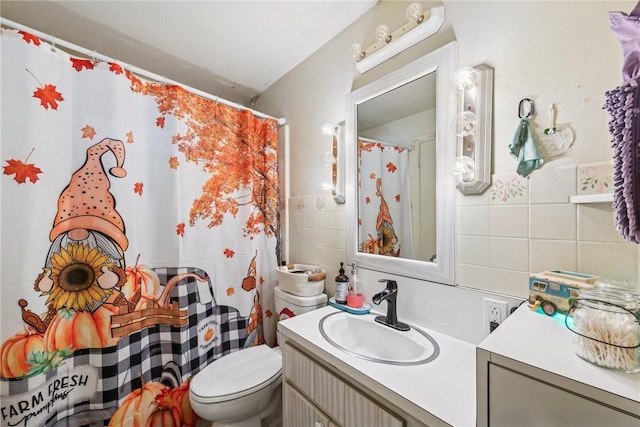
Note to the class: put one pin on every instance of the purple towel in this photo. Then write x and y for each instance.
(623, 103)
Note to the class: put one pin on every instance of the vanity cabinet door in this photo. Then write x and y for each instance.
(329, 394)
(300, 370)
(298, 411)
(313, 394)
(516, 399)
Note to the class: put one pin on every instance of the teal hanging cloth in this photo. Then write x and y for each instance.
(523, 147)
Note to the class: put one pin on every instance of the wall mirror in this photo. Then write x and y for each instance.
(399, 149)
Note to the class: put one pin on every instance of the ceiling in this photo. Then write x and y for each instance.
(232, 49)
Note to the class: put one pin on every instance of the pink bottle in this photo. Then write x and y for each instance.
(355, 299)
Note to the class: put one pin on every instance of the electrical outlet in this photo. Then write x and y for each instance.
(495, 314)
(494, 311)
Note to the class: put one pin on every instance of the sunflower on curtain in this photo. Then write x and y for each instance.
(384, 201)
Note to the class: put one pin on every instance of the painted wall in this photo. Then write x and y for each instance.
(551, 52)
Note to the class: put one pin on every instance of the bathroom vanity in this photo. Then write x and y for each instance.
(324, 386)
(528, 374)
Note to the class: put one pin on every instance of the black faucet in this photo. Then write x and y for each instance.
(390, 293)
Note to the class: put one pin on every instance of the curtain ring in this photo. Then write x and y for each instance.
(526, 105)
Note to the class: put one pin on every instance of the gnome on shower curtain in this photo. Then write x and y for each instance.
(386, 242)
(384, 225)
(255, 334)
(85, 264)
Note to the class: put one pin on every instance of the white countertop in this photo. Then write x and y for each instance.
(545, 342)
(445, 387)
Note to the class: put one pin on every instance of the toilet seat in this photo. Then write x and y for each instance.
(237, 374)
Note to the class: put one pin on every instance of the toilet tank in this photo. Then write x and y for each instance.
(289, 305)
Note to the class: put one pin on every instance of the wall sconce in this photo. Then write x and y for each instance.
(332, 158)
(472, 128)
(420, 25)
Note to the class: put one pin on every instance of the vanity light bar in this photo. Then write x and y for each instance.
(334, 166)
(404, 37)
(480, 102)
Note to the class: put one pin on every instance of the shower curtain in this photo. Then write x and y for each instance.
(139, 226)
(384, 199)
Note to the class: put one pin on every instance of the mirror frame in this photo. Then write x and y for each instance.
(442, 61)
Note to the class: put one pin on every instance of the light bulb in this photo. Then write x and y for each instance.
(383, 34)
(356, 50)
(464, 123)
(463, 168)
(326, 186)
(327, 159)
(414, 13)
(465, 78)
(328, 129)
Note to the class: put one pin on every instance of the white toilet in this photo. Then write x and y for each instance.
(244, 388)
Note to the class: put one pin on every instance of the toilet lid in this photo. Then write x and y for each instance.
(237, 374)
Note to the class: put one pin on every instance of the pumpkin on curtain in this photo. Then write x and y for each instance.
(385, 209)
(139, 225)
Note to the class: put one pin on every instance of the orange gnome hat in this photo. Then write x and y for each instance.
(384, 215)
(86, 203)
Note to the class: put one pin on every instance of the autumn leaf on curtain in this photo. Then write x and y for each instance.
(22, 171)
(80, 64)
(237, 149)
(48, 96)
(88, 132)
(30, 38)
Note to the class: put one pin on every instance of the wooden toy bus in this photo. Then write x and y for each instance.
(555, 290)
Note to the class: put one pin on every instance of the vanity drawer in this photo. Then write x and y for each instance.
(364, 412)
(343, 404)
(324, 389)
(299, 411)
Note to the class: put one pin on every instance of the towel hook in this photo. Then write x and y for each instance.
(526, 105)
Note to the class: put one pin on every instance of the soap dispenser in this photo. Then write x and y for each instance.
(342, 286)
(355, 297)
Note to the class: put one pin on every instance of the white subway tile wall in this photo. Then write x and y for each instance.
(532, 227)
(509, 221)
(553, 255)
(516, 227)
(557, 221)
(472, 250)
(509, 254)
(317, 235)
(552, 185)
(473, 220)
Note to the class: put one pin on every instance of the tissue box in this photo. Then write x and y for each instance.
(302, 280)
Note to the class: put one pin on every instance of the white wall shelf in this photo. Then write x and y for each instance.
(592, 198)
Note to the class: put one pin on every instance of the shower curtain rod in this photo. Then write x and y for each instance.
(144, 73)
(391, 144)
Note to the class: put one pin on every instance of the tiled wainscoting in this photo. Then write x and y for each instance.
(529, 225)
(515, 227)
(317, 234)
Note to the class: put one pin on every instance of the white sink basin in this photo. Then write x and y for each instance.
(361, 336)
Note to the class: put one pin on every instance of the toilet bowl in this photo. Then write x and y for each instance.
(239, 389)
(244, 388)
